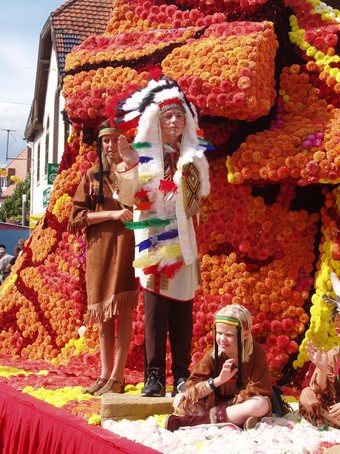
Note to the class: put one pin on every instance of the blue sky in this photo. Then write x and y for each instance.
(21, 22)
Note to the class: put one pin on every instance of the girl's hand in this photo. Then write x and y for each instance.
(227, 372)
(319, 358)
(334, 413)
(122, 215)
(177, 400)
(128, 154)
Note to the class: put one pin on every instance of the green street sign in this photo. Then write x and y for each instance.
(46, 197)
(52, 170)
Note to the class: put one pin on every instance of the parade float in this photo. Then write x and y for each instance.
(265, 79)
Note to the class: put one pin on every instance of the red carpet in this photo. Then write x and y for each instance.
(30, 426)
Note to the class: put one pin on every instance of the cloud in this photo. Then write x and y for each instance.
(18, 59)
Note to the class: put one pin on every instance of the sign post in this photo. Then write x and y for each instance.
(46, 197)
(52, 170)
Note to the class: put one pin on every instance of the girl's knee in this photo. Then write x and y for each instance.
(261, 405)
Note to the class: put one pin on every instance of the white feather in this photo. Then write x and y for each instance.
(336, 284)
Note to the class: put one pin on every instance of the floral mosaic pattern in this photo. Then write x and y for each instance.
(265, 79)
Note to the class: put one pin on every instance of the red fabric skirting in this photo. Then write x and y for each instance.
(31, 426)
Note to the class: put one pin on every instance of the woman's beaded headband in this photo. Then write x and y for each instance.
(109, 131)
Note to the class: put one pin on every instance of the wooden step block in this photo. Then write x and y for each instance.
(133, 407)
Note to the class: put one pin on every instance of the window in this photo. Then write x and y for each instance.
(38, 164)
(47, 147)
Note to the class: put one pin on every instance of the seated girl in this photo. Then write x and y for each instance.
(231, 383)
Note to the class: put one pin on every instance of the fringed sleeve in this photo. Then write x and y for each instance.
(256, 376)
(82, 204)
(191, 404)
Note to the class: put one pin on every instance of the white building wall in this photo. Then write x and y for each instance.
(52, 126)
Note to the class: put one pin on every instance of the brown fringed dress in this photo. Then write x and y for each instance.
(110, 279)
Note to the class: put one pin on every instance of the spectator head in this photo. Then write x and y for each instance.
(21, 243)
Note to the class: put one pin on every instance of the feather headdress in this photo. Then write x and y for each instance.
(144, 108)
(336, 287)
(155, 93)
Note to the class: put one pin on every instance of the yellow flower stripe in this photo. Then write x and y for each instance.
(58, 397)
(8, 283)
(12, 371)
(322, 60)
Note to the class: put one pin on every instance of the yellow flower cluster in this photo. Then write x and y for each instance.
(75, 347)
(13, 371)
(327, 63)
(58, 397)
(321, 329)
(62, 208)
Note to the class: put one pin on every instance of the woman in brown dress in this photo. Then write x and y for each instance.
(102, 203)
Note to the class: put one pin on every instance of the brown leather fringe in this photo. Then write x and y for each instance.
(123, 302)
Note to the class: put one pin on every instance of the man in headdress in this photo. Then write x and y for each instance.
(173, 175)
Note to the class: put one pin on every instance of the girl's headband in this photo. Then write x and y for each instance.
(110, 131)
(227, 320)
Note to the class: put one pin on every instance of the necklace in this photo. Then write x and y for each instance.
(170, 149)
(113, 187)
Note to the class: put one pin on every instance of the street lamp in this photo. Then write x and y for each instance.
(23, 210)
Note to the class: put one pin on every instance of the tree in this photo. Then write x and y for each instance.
(12, 207)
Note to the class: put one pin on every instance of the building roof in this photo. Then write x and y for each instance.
(66, 27)
(76, 20)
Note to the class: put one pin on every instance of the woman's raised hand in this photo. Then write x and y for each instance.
(128, 154)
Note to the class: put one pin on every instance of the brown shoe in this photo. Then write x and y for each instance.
(112, 386)
(100, 382)
(250, 423)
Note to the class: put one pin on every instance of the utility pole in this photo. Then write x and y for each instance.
(8, 131)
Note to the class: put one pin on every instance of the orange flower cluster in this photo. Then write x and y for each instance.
(268, 267)
(278, 314)
(140, 15)
(87, 93)
(66, 181)
(301, 143)
(42, 243)
(229, 71)
(123, 47)
(254, 250)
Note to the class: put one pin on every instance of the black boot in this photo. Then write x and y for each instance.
(154, 386)
(215, 415)
(179, 386)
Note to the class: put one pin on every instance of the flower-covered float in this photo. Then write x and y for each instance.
(265, 78)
